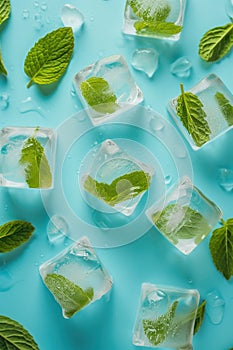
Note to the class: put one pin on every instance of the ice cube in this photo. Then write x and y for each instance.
(217, 104)
(107, 88)
(76, 277)
(19, 148)
(186, 217)
(181, 68)
(57, 228)
(167, 322)
(115, 179)
(161, 19)
(72, 17)
(146, 60)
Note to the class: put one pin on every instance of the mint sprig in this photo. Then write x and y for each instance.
(47, 61)
(36, 166)
(121, 189)
(225, 107)
(70, 296)
(199, 317)
(221, 248)
(5, 10)
(99, 95)
(2, 67)
(13, 234)
(13, 336)
(190, 111)
(216, 43)
(181, 222)
(158, 330)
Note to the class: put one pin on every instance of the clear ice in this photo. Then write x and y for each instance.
(155, 303)
(81, 266)
(181, 68)
(225, 179)
(229, 9)
(146, 60)
(72, 17)
(57, 228)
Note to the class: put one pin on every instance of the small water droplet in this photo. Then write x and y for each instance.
(38, 21)
(57, 228)
(36, 263)
(168, 179)
(6, 281)
(180, 151)
(145, 60)
(28, 105)
(36, 4)
(215, 306)
(4, 101)
(25, 14)
(73, 92)
(229, 9)
(181, 68)
(92, 19)
(5, 207)
(156, 124)
(44, 6)
(72, 17)
(225, 179)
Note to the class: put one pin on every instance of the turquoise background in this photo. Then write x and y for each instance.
(108, 324)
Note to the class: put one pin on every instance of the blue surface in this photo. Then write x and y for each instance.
(108, 324)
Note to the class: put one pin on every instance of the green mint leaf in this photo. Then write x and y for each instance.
(159, 28)
(71, 297)
(181, 222)
(189, 110)
(2, 67)
(158, 330)
(47, 61)
(13, 234)
(199, 317)
(99, 95)
(36, 166)
(5, 10)
(13, 336)
(121, 189)
(149, 11)
(226, 107)
(216, 43)
(221, 248)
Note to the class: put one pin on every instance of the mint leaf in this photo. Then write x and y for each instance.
(221, 248)
(216, 43)
(189, 110)
(36, 166)
(99, 95)
(181, 222)
(13, 234)
(5, 10)
(226, 107)
(159, 28)
(121, 189)
(199, 317)
(2, 67)
(158, 330)
(47, 61)
(13, 336)
(71, 297)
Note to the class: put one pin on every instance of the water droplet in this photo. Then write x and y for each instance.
(28, 105)
(92, 19)
(180, 151)
(181, 68)
(36, 4)
(156, 124)
(229, 9)
(25, 14)
(168, 179)
(73, 92)
(225, 179)
(57, 228)
(38, 21)
(6, 281)
(215, 306)
(72, 17)
(145, 60)
(44, 6)
(4, 101)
